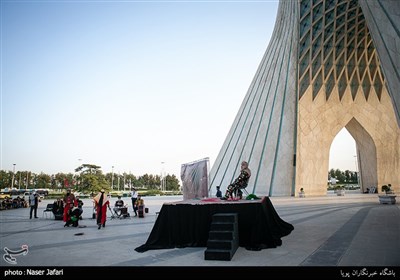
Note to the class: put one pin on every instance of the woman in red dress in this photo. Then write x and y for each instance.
(69, 202)
(101, 203)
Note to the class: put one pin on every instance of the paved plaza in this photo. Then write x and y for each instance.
(329, 231)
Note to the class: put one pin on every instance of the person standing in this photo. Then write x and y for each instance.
(69, 202)
(101, 203)
(134, 196)
(33, 202)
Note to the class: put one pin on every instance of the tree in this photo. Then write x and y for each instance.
(331, 174)
(354, 177)
(145, 180)
(172, 183)
(42, 181)
(62, 180)
(91, 179)
(339, 175)
(5, 179)
(88, 178)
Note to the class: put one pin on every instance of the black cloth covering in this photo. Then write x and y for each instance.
(187, 225)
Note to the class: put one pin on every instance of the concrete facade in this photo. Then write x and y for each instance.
(330, 64)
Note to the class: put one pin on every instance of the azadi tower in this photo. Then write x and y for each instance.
(329, 64)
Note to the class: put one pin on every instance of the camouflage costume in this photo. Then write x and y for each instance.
(239, 183)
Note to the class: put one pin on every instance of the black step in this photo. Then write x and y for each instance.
(220, 235)
(223, 238)
(224, 218)
(219, 255)
(220, 244)
(222, 227)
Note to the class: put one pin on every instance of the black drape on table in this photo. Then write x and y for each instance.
(187, 225)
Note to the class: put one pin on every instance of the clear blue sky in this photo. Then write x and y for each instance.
(129, 84)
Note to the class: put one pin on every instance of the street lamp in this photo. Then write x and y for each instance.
(77, 177)
(27, 180)
(162, 176)
(355, 159)
(12, 181)
(119, 175)
(112, 177)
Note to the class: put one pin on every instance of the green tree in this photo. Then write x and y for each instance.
(130, 180)
(172, 183)
(347, 175)
(42, 181)
(331, 173)
(88, 178)
(62, 180)
(145, 181)
(354, 177)
(5, 179)
(23, 179)
(91, 179)
(339, 175)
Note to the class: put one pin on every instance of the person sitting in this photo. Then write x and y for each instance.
(218, 193)
(140, 206)
(74, 213)
(119, 204)
(58, 209)
(240, 183)
(80, 206)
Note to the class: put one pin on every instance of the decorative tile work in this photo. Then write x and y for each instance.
(336, 37)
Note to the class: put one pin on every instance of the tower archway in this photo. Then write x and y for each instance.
(365, 153)
(342, 156)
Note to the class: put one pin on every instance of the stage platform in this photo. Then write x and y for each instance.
(187, 224)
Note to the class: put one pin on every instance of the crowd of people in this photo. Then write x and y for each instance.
(12, 203)
(69, 207)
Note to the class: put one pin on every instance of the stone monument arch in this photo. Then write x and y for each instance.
(329, 64)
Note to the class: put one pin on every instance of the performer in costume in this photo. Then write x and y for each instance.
(69, 199)
(140, 206)
(101, 203)
(74, 214)
(240, 182)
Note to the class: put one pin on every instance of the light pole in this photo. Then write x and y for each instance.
(78, 179)
(355, 159)
(119, 175)
(27, 180)
(124, 181)
(162, 177)
(12, 181)
(112, 177)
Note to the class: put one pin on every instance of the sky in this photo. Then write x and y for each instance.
(132, 86)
